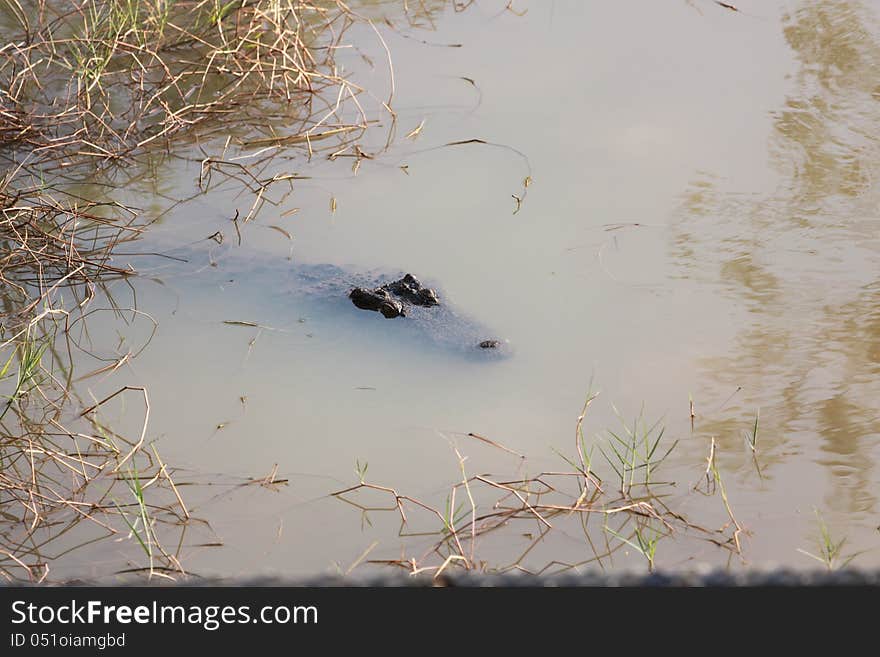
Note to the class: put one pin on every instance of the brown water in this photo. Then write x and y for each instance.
(702, 224)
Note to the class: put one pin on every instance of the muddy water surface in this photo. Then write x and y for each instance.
(702, 224)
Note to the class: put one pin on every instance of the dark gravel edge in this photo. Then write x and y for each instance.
(714, 578)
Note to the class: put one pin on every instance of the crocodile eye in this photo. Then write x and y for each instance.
(391, 310)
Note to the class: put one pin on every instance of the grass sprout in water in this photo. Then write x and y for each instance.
(830, 549)
(488, 510)
(631, 452)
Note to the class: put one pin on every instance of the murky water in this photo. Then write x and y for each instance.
(702, 224)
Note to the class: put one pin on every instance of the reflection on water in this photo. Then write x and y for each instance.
(699, 226)
(826, 134)
(803, 261)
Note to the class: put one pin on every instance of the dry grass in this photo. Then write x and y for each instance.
(509, 519)
(102, 80)
(87, 89)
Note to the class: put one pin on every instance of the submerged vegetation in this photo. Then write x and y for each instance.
(96, 90)
(510, 517)
(94, 94)
(100, 81)
(602, 513)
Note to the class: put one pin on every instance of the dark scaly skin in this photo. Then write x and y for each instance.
(408, 290)
(379, 300)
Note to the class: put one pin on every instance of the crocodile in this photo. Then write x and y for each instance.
(418, 312)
